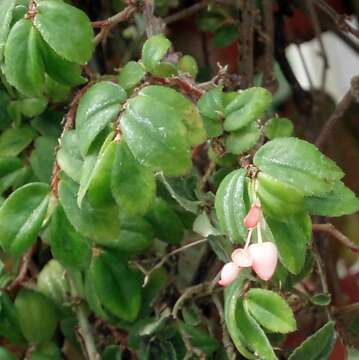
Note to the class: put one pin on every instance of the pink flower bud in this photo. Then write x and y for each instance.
(229, 273)
(253, 217)
(265, 257)
(242, 258)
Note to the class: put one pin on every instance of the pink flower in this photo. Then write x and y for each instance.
(265, 258)
(229, 273)
(242, 257)
(253, 217)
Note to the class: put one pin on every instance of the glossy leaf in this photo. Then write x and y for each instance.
(231, 205)
(156, 135)
(270, 310)
(101, 225)
(321, 299)
(278, 127)
(340, 201)
(292, 239)
(153, 51)
(211, 105)
(98, 107)
(55, 20)
(9, 167)
(14, 140)
(133, 185)
(278, 199)
(166, 223)
(37, 316)
(68, 246)
(21, 217)
(187, 64)
(240, 141)
(318, 346)
(4, 354)
(6, 10)
(213, 127)
(131, 74)
(24, 68)
(117, 286)
(246, 107)
(298, 163)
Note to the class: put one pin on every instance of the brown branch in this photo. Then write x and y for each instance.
(191, 10)
(269, 78)
(339, 19)
(334, 232)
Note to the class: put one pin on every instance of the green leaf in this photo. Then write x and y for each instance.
(231, 205)
(131, 74)
(52, 282)
(225, 36)
(211, 105)
(56, 92)
(21, 217)
(37, 316)
(24, 68)
(185, 108)
(101, 225)
(6, 10)
(292, 239)
(98, 107)
(4, 354)
(9, 167)
(68, 246)
(270, 310)
(221, 247)
(187, 64)
(213, 127)
(166, 223)
(278, 199)
(117, 286)
(33, 106)
(156, 136)
(14, 140)
(318, 346)
(164, 69)
(153, 51)
(56, 22)
(133, 185)
(42, 157)
(353, 353)
(232, 306)
(298, 163)
(59, 69)
(321, 299)
(246, 107)
(240, 141)
(340, 201)
(46, 351)
(278, 127)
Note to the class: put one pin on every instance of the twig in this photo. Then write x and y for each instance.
(269, 79)
(211, 167)
(167, 256)
(191, 10)
(154, 25)
(25, 261)
(84, 330)
(339, 20)
(107, 24)
(226, 340)
(333, 231)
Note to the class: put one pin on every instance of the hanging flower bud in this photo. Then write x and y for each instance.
(242, 257)
(229, 273)
(253, 217)
(265, 258)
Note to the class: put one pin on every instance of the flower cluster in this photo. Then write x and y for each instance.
(262, 257)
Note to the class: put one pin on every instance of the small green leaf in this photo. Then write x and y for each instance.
(156, 136)
(117, 286)
(318, 346)
(21, 217)
(278, 127)
(210, 104)
(221, 247)
(240, 141)
(246, 107)
(187, 64)
(131, 74)
(33, 106)
(6, 10)
(164, 69)
(270, 310)
(14, 140)
(37, 316)
(4, 354)
(56, 22)
(46, 351)
(24, 68)
(213, 127)
(166, 223)
(321, 299)
(292, 239)
(153, 51)
(231, 205)
(340, 201)
(98, 107)
(9, 167)
(225, 36)
(68, 246)
(133, 185)
(298, 163)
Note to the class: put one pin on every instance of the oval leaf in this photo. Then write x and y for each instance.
(240, 141)
(210, 104)
(6, 10)
(278, 127)
(14, 140)
(153, 51)
(131, 74)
